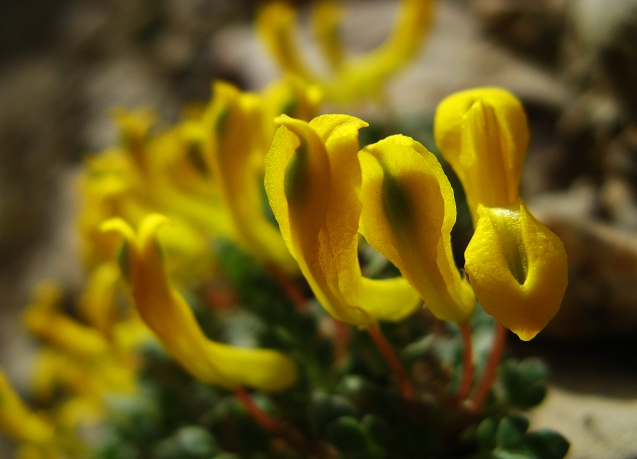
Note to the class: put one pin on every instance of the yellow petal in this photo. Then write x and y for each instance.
(483, 133)
(313, 183)
(98, 303)
(235, 122)
(168, 315)
(134, 131)
(18, 421)
(326, 17)
(276, 26)
(364, 76)
(408, 212)
(43, 319)
(517, 267)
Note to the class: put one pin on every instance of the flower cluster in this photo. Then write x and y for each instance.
(156, 206)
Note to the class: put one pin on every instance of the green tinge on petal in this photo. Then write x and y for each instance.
(517, 267)
(167, 314)
(408, 213)
(313, 183)
(483, 133)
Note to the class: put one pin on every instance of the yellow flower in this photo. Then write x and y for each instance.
(168, 315)
(43, 319)
(313, 181)
(408, 212)
(233, 121)
(18, 421)
(483, 133)
(288, 96)
(134, 130)
(517, 268)
(354, 78)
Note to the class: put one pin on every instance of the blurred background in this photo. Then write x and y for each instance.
(64, 64)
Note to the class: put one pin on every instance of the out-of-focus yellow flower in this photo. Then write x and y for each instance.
(166, 312)
(408, 212)
(18, 421)
(517, 266)
(351, 78)
(43, 319)
(134, 128)
(313, 181)
(484, 135)
(288, 96)
(232, 154)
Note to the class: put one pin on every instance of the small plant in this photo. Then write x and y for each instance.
(259, 294)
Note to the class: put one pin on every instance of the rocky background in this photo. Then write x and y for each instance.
(64, 64)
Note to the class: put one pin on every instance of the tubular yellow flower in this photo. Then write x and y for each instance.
(18, 421)
(313, 183)
(43, 319)
(98, 305)
(134, 132)
(233, 120)
(408, 212)
(289, 96)
(166, 312)
(351, 79)
(517, 267)
(483, 134)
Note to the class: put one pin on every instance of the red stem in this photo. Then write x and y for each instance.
(275, 428)
(385, 348)
(467, 362)
(488, 375)
(290, 289)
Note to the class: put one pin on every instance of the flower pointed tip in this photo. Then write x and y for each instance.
(525, 334)
(117, 225)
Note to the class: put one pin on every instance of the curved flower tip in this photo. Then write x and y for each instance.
(276, 25)
(483, 133)
(44, 319)
(518, 269)
(169, 316)
(313, 179)
(408, 213)
(18, 421)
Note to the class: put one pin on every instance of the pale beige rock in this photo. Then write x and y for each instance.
(602, 291)
(598, 427)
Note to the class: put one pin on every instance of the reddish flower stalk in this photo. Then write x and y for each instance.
(488, 375)
(395, 365)
(467, 362)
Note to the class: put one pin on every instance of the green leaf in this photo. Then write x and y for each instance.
(377, 428)
(347, 435)
(510, 431)
(547, 444)
(523, 382)
(324, 409)
(485, 434)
